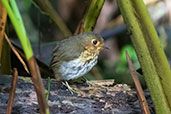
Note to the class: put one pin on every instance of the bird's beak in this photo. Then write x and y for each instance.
(106, 47)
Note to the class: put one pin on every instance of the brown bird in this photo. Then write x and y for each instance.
(75, 56)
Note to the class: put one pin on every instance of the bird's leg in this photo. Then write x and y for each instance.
(72, 91)
(87, 81)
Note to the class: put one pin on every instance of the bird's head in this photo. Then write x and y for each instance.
(92, 42)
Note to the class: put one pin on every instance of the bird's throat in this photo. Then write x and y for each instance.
(88, 56)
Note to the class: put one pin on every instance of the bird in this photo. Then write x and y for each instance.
(75, 56)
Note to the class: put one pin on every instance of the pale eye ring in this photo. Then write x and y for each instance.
(95, 42)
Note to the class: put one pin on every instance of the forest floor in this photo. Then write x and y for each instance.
(104, 97)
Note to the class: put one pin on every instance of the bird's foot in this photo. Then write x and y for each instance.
(88, 82)
(71, 90)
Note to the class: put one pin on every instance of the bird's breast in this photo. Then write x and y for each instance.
(78, 67)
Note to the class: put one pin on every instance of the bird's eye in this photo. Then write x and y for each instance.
(94, 42)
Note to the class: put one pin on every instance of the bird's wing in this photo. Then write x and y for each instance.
(64, 53)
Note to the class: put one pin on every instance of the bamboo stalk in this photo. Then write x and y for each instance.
(146, 62)
(156, 51)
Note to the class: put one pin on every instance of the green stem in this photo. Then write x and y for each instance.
(146, 62)
(18, 27)
(155, 47)
(17, 15)
(92, 14)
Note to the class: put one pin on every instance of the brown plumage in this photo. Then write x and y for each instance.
(75, 56)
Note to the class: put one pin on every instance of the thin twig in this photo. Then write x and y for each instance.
(140, 93)
(12, 92)
(16, 53)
